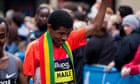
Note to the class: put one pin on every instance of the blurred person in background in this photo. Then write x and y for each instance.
(128, 46)
(109, 13)
(80, 20)
(14, 39)
(113, 28)
(41, 18)
(83, 8)
(18, 33)
(8, 16)
(123, 11)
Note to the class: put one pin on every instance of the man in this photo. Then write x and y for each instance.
(41, 18)
(128, 46)
(10, 66)
(123, 11)
(52, 51)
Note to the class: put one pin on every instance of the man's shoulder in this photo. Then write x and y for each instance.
(34, 43)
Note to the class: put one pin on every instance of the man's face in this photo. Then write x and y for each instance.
(60, 35)
(42, 17)
(3, 34)
(128, 29)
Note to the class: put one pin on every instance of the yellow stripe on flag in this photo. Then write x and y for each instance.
(69, 47)
(47, 64)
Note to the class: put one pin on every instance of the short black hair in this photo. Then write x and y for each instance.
(2, 20)
(125, 10)
(60, 18)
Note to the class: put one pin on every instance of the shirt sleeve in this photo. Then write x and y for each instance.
(30, 61)
(77, 38)
(135, 70)
(134, 64)
(136, 59)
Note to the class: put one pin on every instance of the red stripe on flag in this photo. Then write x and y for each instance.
(42, 63)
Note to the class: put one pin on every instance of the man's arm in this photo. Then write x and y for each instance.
(98, 21)
(132, 67)
(21, 77)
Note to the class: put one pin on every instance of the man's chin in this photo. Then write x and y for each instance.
(59, 45)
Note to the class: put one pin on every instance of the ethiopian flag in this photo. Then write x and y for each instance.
(47, 58)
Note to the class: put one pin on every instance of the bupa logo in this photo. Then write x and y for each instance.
(65, 65)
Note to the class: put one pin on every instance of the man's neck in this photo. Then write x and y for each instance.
(42, 28)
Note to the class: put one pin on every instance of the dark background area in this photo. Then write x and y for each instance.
(28, 7)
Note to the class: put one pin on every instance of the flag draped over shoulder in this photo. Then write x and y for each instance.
(47, 58)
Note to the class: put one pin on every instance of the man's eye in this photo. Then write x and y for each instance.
(61, 33)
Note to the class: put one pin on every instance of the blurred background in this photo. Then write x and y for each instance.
(28, 6)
